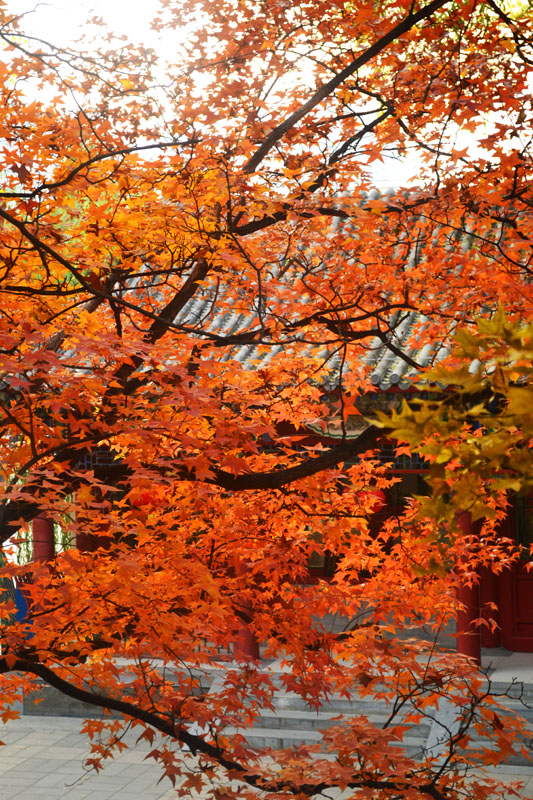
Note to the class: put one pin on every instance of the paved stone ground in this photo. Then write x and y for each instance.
(43, 758)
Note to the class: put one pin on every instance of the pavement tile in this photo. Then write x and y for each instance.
(118, 769)
(26, 750)
(71, 793)
(53, 779)
(9, 779)
(64, 753)
(71, 767)
(71, 740)
(133, 772)
(86, 794)
(10, 792)
(106, 784)
(33, 765)
(45, 792)
(11, 735)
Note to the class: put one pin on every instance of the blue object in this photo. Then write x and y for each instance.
(22, 606)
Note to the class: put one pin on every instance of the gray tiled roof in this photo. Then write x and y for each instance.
(385, 364)
(387, 369)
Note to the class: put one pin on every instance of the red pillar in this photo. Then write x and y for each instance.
(245, 646)
(489, 597)
(468, 634)
(43, 538)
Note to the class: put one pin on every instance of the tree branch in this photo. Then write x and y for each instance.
(119, 153)
(13, 513)
(197, 744)
(326, 89)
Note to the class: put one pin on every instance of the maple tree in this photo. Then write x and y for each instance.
(195, 275)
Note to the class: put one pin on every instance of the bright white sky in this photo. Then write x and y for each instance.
(65, 21)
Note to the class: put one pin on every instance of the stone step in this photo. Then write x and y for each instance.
(307, 720)
(282, 738)
(514, 691)
(336, 704)
(50, 702)
(277, 738)
(291, 718)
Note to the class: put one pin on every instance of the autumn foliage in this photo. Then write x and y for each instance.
(196, 279)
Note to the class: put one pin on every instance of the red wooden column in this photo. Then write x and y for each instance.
(490, 600)
(468, 635)
(43, 538)
(245, 646)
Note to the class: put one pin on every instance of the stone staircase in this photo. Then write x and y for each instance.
(519, 701)
(292, 722)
